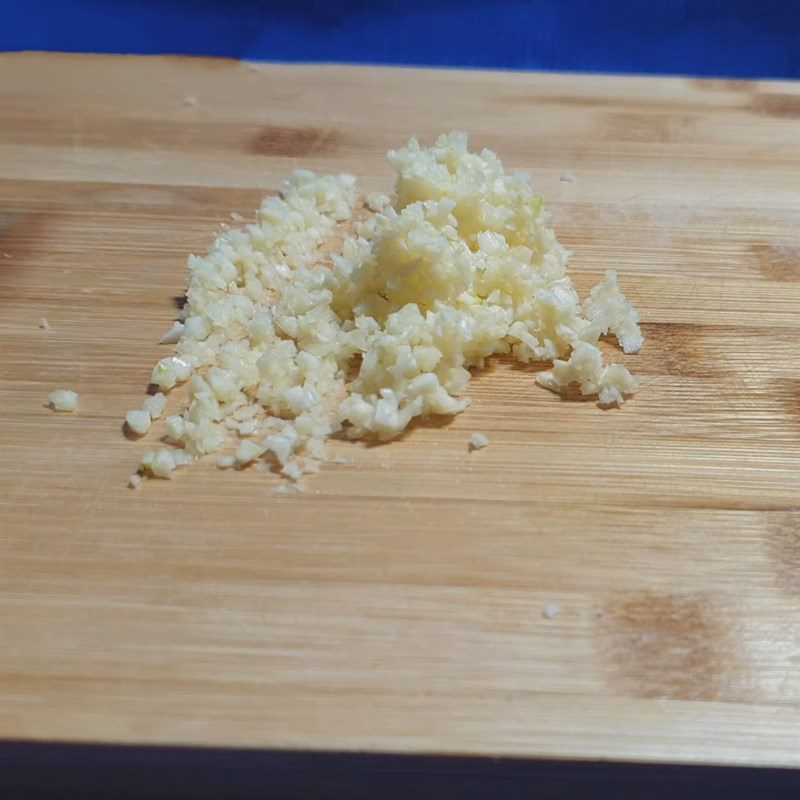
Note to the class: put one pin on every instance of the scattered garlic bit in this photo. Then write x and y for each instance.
(568, 177)
(63, 400)
(190, 101)
(160, 463)
(135, 480)
(236, 217)
(461, 266)
(585, 368)
(44, 323)
(154, 405)
(173, 335)
(611, 312)
(138, 421)
(226, 462)
(478, 440)
(551, 610)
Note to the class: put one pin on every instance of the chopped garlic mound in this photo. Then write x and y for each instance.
(63, 400)
(248, 451)
(154, 405)
(378, 202)
(462, 265)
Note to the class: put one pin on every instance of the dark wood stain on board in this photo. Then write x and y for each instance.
(777, 262)
(22, 233)
(191, 132)
(677, 350)
(295, 142)
(675, 106)
(783, 548)
(647, 128)
(787, 390)
(133, 198)
(666, 645)
(782, 106)
(721, 85)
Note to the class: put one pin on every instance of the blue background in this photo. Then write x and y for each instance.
(730, 38)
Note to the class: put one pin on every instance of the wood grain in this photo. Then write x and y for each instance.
(398, 606)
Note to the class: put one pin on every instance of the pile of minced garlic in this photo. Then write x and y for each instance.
(281, 351)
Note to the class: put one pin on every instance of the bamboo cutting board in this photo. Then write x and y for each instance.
(401, 604)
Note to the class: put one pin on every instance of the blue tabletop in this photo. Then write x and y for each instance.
(727, 38)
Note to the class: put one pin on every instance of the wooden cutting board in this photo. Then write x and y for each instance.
(401, 604)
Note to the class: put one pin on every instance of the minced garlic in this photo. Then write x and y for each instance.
(462, 265)
(138, 421)
(478, 440)
(63, 400)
